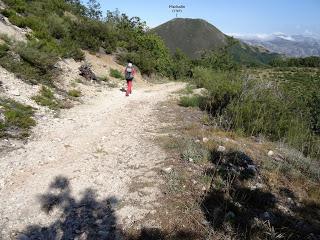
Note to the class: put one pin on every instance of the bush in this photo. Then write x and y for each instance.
(4, 48)
(25, 71)
(74, 93)
(32, 62)
(47, 98)
(57, 27)
(116, 73)
(17, 118)
(8, 12)
(18, 21)
(222, 88)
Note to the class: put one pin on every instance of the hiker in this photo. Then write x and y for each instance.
(129, 75)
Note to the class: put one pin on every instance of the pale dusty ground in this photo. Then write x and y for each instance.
(105, 144)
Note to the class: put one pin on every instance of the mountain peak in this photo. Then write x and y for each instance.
(192, 36)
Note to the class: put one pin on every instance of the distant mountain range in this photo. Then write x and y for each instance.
(197, 36)
(291, 46)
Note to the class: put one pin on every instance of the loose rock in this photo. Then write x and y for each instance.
(221, 149)
(270, 153)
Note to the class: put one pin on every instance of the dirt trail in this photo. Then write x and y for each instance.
(105, 145)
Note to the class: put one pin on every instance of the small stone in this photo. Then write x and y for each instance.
(206, 223)
(197, 141)
(270, 153)
(205, 140)
(194, 181)
(237, 204)
(167, 170)
(191, 160)
(221, 149)
(204, 189)
(153, 212)
(259, 185)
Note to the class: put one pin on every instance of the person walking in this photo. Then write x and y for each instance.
(129, 74)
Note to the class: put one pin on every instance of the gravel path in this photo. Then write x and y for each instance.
(103, 147)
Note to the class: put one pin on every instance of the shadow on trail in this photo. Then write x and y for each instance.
(83, 219)
(253, 213)
(87, 219)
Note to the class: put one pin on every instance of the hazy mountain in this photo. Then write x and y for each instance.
(292, 46)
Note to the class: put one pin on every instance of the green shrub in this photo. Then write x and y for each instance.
(17, 5)
(18, 21)
(8, 12)
(39, 54)
(32, 62)
(282, 109)
(47, 98)
(17, 118)
(4, 48)
(116, 73)
(104, 79)
(190, 101)
(57, 26)
(74, 93)
(222, 88)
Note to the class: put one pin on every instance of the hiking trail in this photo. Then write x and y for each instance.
(104, 144)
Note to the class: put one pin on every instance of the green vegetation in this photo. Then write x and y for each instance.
(282, 106)
(311, 62)
(190, 101)
(116, 73)
(250, 56)
(15, 119)
(193, 152)
(46, 98)
(4, 48)
(62, 28)
(74, 93)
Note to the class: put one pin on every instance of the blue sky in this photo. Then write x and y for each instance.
(231, 16)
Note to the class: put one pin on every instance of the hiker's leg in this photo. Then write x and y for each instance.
(128, 88)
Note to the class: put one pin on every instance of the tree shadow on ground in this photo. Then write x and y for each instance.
(87, 219)
(247, 213)
(83, 219)
(157, 234)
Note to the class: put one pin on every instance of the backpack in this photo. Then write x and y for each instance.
(129, 75)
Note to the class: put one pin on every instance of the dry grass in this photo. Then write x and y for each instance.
(184, 207)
